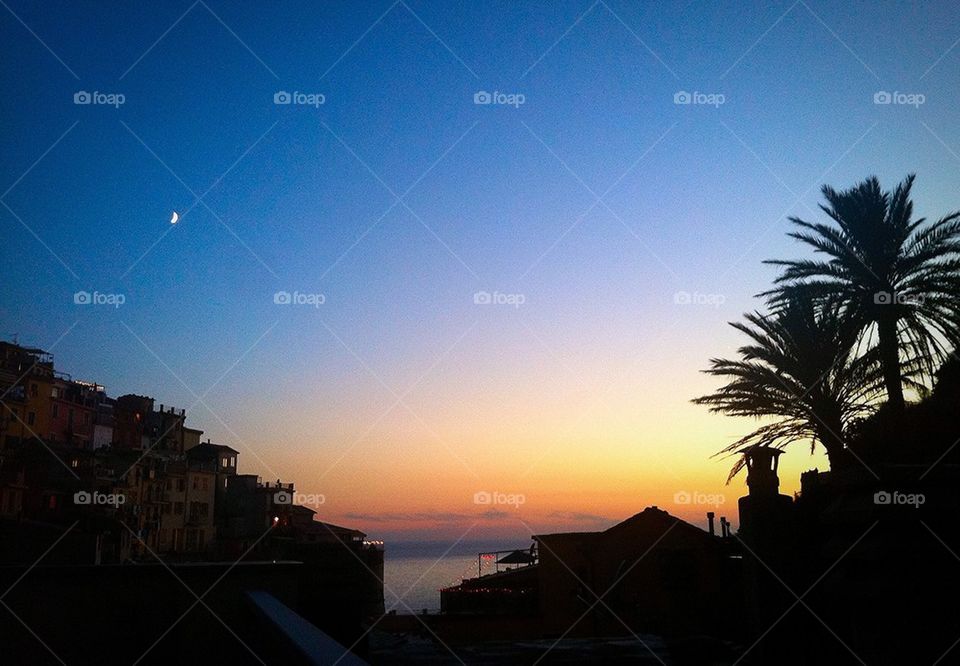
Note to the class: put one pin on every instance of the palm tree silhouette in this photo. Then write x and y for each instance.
(802, 367)
(894, 275)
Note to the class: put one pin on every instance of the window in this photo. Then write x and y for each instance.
(33, 391)
(196, 483)
(224, 462)
(206, 483)
(31, 417)
(178, 508)
(181, 485)
(199, 510)
(56, 411)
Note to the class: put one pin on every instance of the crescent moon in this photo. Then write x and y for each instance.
(174, 218)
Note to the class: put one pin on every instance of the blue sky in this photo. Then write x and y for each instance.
(501, 199)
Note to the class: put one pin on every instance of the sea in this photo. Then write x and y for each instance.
(414, 571)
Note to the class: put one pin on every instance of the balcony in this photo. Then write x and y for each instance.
(276, 486)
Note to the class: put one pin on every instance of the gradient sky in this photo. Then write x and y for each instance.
(399, 397)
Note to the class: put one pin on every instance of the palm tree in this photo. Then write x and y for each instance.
(895, 276)
(801, 367)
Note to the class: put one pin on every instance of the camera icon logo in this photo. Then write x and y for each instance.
(82, 298)
(882, 497)
(681, 97)
(482, 298)
(82, 97)
(482, 97)
(82, 497)
(282, 97)
(282, 298)
(882, 97)
(282, 497)
(682, 497)
(682, 298)
(482, 497)
(883, 298)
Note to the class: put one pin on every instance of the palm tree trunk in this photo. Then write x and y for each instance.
(829, 432)
(890, 358)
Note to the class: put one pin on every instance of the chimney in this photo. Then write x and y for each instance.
(762, 476)
(161, 408)
(710, 516)
(724, 527)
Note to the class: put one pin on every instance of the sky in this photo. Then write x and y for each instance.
(508, 245)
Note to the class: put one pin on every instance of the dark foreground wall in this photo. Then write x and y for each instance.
(868, 574)
(124, 613)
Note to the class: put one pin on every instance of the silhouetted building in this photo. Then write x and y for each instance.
(26, 381)
(130, 421)
(118, 481)
(650, 574)
(654, 572)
